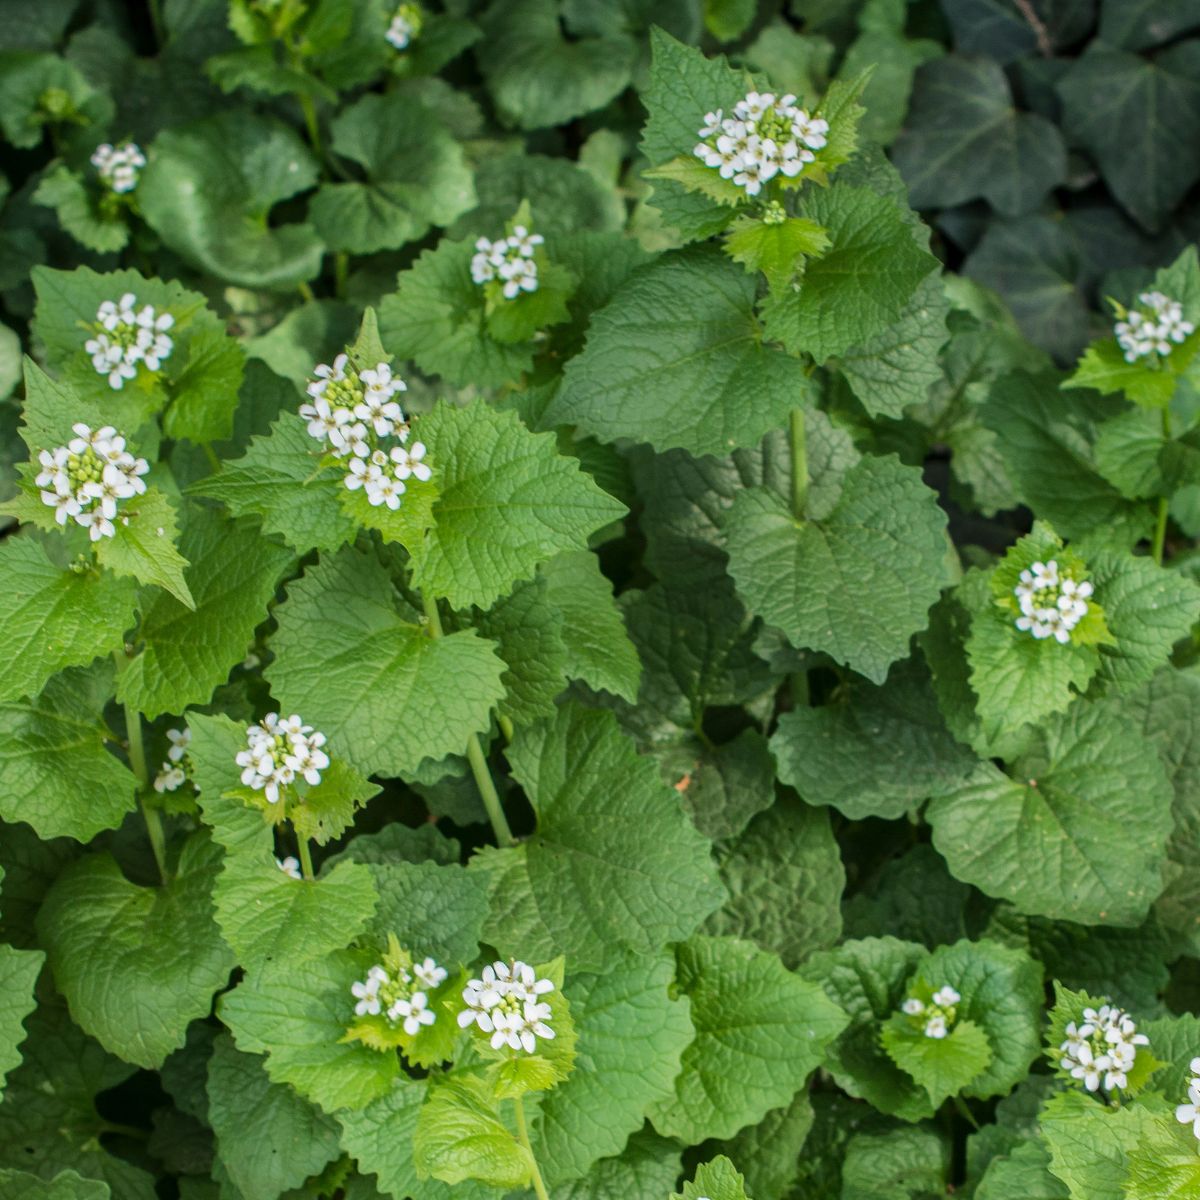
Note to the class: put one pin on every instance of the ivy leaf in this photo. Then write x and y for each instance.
(538, 76)
(943, 1067)
(188, 651)
(299, 1019)
(596, 645)
(508, 502)
(56, 771)
(963, 138)
(676, 359)
(785, 877)
(881, 547)
(878, 752)
(136, 964)
(734, 1074)
(604, 873)
(1076, 830)
(1150, 169)
(460, 1136)
(1143, 23)
(345, 612)
(19, 970)
(436, 317)
(417, 177)
(55, 618)
(634, 1033)
(278, 480)
(715, 1180)
(268, 1138)
(209, 187)
(143, 546)
(858, 287)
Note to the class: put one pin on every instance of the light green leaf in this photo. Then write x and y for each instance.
(55, 618)
(56, 771)
(606, 871)
(187, 652)
(858, 287)
(19, 970)
(278, 480)
(508, 502)
(268, 1138)
(209, 188)
(598, 649)
(1076, 830)
(881, 549)
(963, 138)
(878, 751)
(344, 613)
(136, 964)
(205, 393)
(144, 545)
(460, 1136)
(298, 1019)
(1103, 367)
(715, 1180)
(676, 359)
(777, 249)
(633, 1032)
(785, 877)
(734, 1074)
(942, 1066)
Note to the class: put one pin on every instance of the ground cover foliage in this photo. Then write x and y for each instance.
(599, 600)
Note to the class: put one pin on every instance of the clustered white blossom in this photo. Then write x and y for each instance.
(290, 866)
(279, 750)
(353, 412)
(765, 137)
(938, 1014)
(510, 259)
(1152, 327)
(400, 998)
(505, 1003)
(88, 477)
(119, 166)
(127, 337)
(1052, 603)
(1101, 1049)
(405, 26)
(172, 775)
(1189, 1113)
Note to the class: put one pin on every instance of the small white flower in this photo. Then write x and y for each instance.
(96, 523)
(912, 1007)
(946, 997)
(406, 25)
(429, 974)
(170, 778)
(119, 166)
(290, 866)
(415, 1012)
(409, 462)
(503, 1003)
(1153, 329)
(935, 1027)
(1101, 1050)
(126, 338)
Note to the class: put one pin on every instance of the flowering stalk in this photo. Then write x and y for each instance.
(799, 463)
(479, 767)
(306, 867)
(539, 1185)
(1160, 524)
(137, 761)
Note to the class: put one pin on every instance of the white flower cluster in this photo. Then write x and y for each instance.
(1189, 1113)
(405, 26)
(938, 1015)
(765, 137)
(402, 998)
(1152, 327)
(119, 166)
(126, 337)
(1102, 1047)
(290, 866)
(172, 775)
(277, 751)
(510, 259)
(1052, 604)
(352, 412)
(88, 477)
(504, 1002)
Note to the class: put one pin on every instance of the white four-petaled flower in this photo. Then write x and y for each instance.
(279, 750)
(1101, 1049)
(1051, 603)
(119, 166)
(125, 338)
(399, 995)
(504, 1002)
(509, 259)
(1189, 1113)
(1154, 328)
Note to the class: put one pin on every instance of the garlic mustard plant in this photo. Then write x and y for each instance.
(509, 260)
(504, 1003)
(1100, 1049)
(406, 25)
(1051, 605)
(127, 338)
(1154, 328)
(279, 751)
(1189, 1113)
(119, 166)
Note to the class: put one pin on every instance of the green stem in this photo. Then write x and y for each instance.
(799, 464)
(306, 867)
(475, 756)
(1160, 525)
(963, 1111)
(341, 268)
(211, 455)
(305, 291)
(137, 762)
(539, 1185)
(506, 726)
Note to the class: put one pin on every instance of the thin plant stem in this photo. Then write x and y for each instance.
(306, 867)
(211, 455)
(305, 291)
(475, 755)
(1160, 525)
(137, 762)
(539, 1185)
(799, 463)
